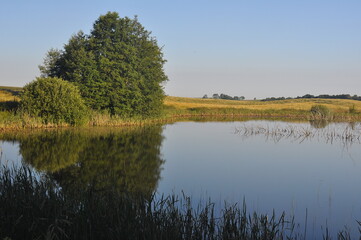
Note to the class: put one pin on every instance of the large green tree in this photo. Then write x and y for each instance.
(118, 66)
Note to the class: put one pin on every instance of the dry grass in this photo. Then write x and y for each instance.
(15, 89)
(6, 96)
(336, 105)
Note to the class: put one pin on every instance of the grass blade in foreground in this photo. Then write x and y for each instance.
(34, 207)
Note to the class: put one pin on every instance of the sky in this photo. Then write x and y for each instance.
(251, 48)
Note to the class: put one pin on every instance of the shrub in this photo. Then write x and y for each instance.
(321, 112)
(54, 101)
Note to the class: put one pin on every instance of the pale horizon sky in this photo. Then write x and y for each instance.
(241, 48)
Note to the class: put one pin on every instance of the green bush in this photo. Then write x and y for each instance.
(321, 112)
(54, 101)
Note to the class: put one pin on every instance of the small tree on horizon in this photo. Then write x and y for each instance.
(215, 96)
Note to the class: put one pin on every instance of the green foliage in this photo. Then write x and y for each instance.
(54, 101)
(118, 67)
(51, 63)
(225, 96)
(320, 112)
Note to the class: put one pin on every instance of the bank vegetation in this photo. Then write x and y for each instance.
(179, 108)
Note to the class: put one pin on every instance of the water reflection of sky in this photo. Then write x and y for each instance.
(9, 154)
(210, 160)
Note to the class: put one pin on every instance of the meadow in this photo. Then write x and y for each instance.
(9, 93)
(293, 108)
(297, 106)
(176, 108)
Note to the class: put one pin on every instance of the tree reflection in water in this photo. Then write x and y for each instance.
(126, 160)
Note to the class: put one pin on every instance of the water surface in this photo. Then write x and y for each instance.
(314, 175)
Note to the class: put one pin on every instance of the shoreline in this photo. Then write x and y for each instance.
(176, 109)
(108, 121)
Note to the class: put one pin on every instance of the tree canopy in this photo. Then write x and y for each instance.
(118, 66)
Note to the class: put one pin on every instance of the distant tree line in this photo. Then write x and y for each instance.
(275, 98)
(339, 96)
(224, 96)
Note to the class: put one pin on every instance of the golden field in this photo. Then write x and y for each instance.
(299, 105)
(290, 109)
(6, 96)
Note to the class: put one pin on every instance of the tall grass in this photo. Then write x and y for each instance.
(34, 207)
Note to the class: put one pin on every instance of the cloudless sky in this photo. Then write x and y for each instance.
(252, 48)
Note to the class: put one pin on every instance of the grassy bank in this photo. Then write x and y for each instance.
(11, 117)
(176, 108)
(33, 207)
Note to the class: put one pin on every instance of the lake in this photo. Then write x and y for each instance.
(311, 171)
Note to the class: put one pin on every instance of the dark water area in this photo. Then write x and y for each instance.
(310, 171)
(125, 159)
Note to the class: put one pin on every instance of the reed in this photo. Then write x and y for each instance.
(347, 135)
(32, 206)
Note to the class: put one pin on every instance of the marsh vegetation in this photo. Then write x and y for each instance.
(35, 207)
(318, 129)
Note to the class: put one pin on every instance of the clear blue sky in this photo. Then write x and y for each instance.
(252, 48)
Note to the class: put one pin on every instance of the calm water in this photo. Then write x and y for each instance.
(315, 169)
